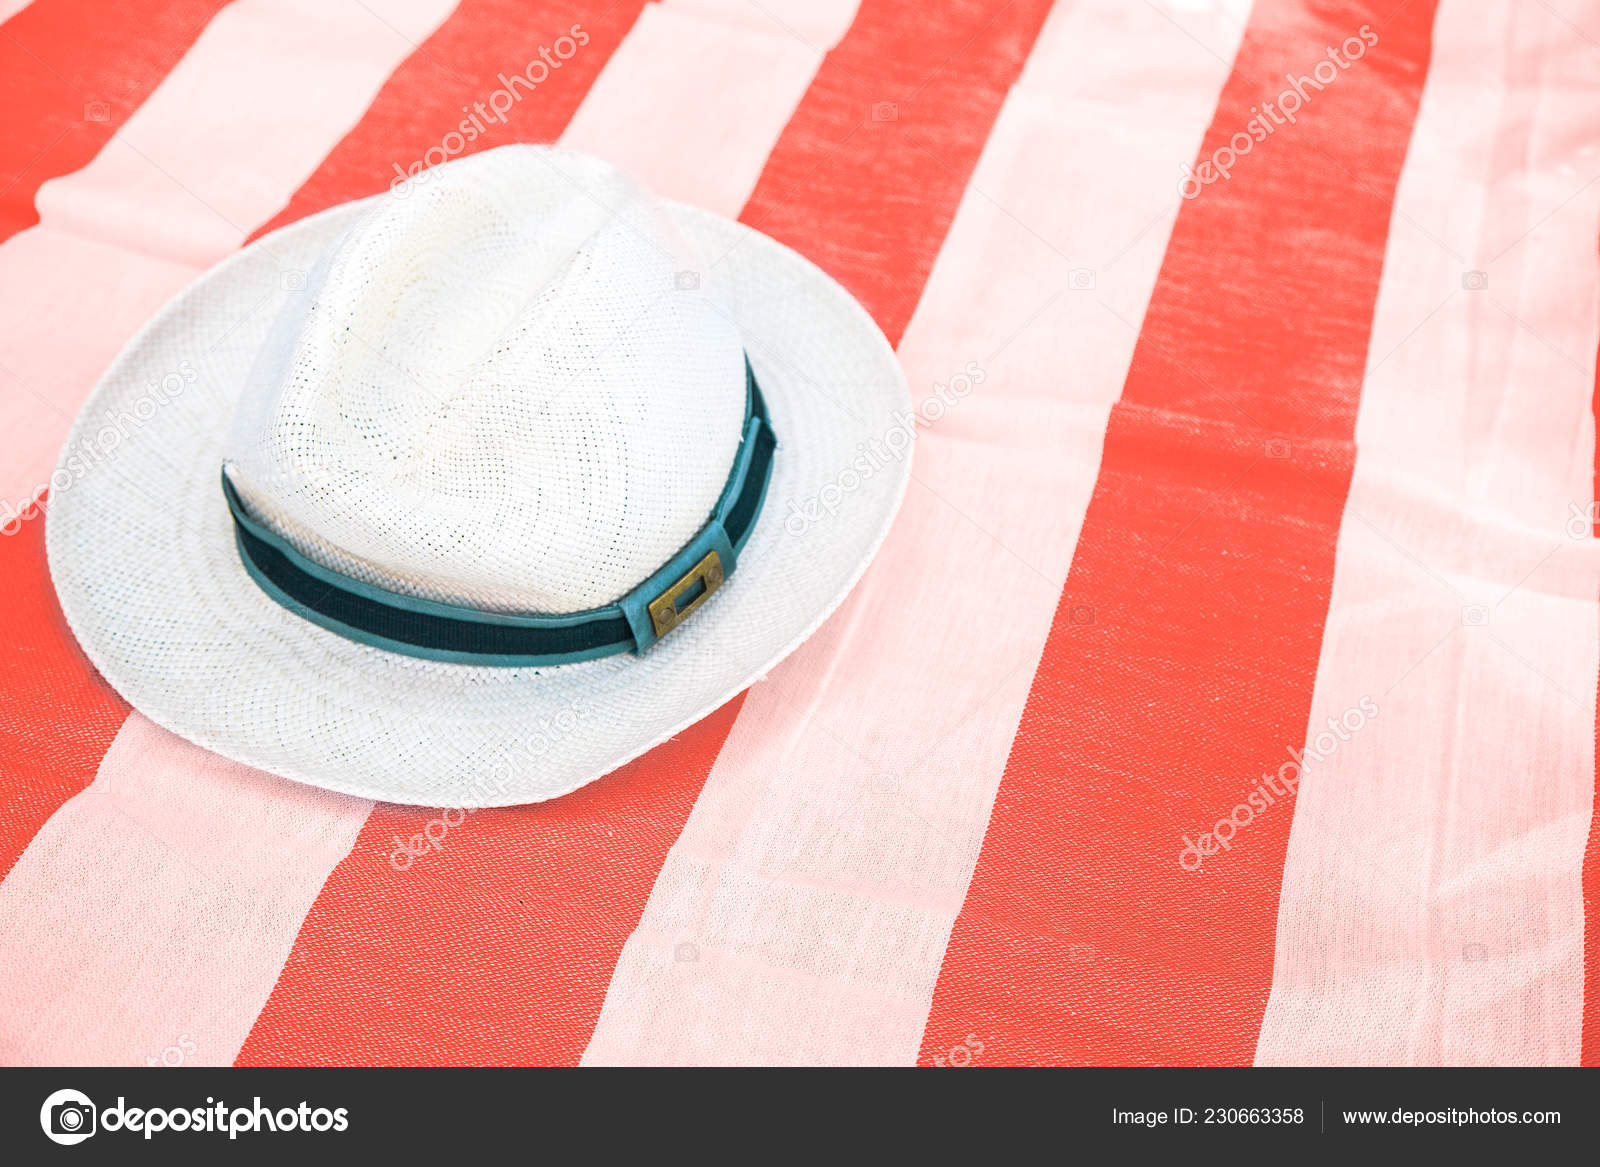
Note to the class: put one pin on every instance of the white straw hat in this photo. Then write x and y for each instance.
(468, 493)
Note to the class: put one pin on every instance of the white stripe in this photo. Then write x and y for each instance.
(693, 100)
(822, 868)
(1432, 907)
(151, 915)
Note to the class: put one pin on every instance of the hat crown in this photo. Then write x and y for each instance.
(510, 385)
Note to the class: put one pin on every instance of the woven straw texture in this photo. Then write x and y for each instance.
(507, 386)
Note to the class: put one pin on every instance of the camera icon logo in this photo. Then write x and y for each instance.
(68, 1117)
(686, 281)
(1475, 281)
(885, 111)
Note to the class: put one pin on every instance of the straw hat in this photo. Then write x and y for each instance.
(468, 493)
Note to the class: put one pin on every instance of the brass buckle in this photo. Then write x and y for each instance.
(665, 612)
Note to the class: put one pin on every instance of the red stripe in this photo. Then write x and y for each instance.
(1180, 664)
(869, 171)
(71, 73)
(502, 951)
(496, 949)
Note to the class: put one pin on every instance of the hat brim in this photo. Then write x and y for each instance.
(142, 554)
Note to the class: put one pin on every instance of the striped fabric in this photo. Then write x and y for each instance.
(1224, 694)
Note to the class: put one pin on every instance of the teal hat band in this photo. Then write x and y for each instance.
(459, 634)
